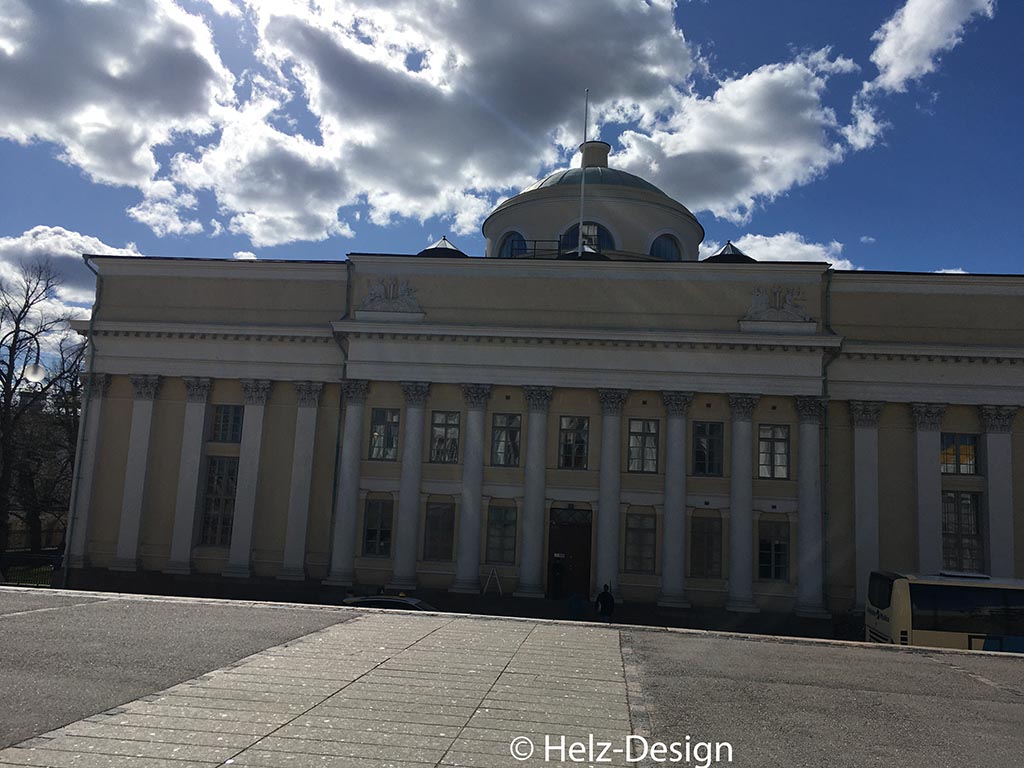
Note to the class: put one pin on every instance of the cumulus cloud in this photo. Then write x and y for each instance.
(785, 246)
(910, 42)
(951, 271)
(244, 255)
(64, 248)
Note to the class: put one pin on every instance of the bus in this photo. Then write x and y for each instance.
(951, 610)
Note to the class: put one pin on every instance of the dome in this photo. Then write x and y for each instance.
(594, 175)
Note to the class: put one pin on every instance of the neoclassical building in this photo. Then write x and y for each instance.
(571, 410)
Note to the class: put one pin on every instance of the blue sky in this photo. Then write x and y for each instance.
(877, 134)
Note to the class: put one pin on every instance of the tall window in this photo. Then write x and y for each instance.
(963, 547)
(227, 424)
(666, 248)
(444, 437)
(708, 448)
(219, 501)
(439, 531)
(513, 245)
(641, 531)
(501, 534)
(506, 430)
(573, 442)
(643, 445)
(384, 434)
(377, 527)
(773, 550)
(706, 547)
(959, 454)
(773, 451)
(595, 236)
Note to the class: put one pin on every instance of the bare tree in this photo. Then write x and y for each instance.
(30, 317)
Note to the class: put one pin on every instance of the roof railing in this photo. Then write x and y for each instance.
(551, 249)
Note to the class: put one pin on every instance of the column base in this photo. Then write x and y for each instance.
(237, 572)
(673, 601)
(465, 587)
(529, 592)
(812, 612)
(178, 569)
(742, 605)
(340, 580)
(292, 574)
(402, 585)
(127, 564)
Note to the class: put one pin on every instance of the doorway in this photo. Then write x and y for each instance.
(569, 552)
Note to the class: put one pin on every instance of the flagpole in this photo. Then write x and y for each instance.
(583, 170)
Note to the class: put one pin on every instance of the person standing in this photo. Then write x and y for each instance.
(605, 604)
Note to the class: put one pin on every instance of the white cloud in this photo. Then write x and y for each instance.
(867, 239)
(952, 271)
(910, 42)
(785, 246)
(244, 255)
(64, 248)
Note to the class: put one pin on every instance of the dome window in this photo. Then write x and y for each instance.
(595, 237)
(513, 245)
(666, 248)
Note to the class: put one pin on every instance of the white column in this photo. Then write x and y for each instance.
(997, 421)
(96, 385)
(346, 511)
(673, 544)
(609, 496)
(136, 467)
(810, 590)
(407, 527)
(293, 566)
(197, 391)
(467, 557)
(865, 415)
(531, 561)
(256, 394)
(741, 512)
(928, 420)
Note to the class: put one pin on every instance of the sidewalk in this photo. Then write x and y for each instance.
(380, 690)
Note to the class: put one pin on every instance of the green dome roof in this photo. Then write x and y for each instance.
(595, 175)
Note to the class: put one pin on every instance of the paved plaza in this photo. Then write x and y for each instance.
(341, 688)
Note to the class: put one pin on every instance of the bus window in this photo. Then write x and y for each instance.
(880, 591)
(962, 609)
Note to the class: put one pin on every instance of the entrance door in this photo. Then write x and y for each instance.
(569, 552)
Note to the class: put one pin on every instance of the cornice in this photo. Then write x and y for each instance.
(213, 332)
(259, 269)
(932, 353)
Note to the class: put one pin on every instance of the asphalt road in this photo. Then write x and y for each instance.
(64, 657)
(801, 704)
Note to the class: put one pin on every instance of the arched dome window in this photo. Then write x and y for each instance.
(512, 246)
(594, 235)
(666, 248)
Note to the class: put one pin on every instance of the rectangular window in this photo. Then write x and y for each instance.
(773, 551)
(773, 451)
(219, 501)
(444, 437)
(573, 442)
(963, 547)
(506, 430)
(377, 528)
(227, 423)
(643, 445)
(501, 534)
(439, 531)
(706, 548)
(641, 531)
(384, 434)
(708, 448)
(959, 454)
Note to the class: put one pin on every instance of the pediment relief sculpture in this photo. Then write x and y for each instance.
(389, 294)
(777, 304)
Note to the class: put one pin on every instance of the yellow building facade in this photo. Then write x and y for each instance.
(567, 412)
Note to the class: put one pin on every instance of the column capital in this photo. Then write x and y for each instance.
(997, 418)
(742, 406)
(146, 387)
(476, 395)
(865, 413)
(256, 391)
(810, 409)
(677, 403)
(612, 400)
(354, 390)
(538, 398)
(96, 384)
(927, 416)
(197, 390)
(416, 392)
(308, 393)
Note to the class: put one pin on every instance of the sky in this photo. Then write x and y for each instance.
(880, 134)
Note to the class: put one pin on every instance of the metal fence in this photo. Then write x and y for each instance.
(30, 569)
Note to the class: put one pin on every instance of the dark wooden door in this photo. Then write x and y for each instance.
(569, 553)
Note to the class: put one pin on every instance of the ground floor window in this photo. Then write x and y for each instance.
(439, 531)
(377, 527)
(706, 548)
(773, 551)
(641, 531)
(501, 534)
(963, 547)
(219, 501)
